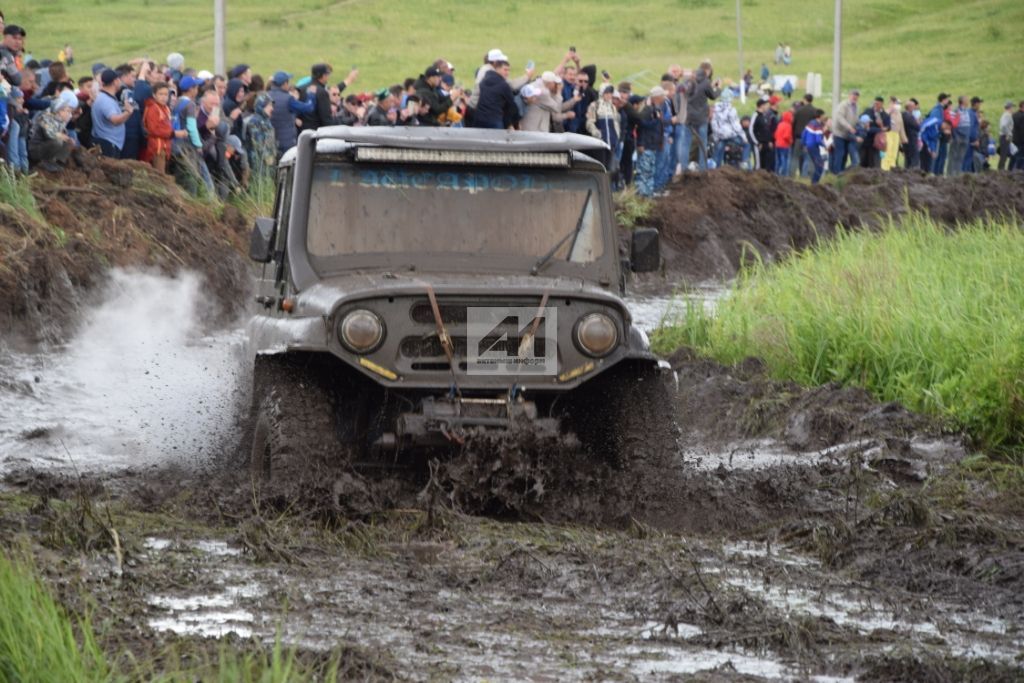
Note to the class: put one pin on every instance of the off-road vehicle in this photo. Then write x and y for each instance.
(422, 286)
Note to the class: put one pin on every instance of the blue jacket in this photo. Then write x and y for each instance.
(931, 127)
(283, 116)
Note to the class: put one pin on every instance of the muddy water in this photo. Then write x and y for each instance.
(139, 384)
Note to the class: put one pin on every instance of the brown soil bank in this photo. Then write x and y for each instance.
(112, 213)
(708, 219)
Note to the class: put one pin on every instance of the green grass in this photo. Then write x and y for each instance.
(37, 639)
(908, 48)
(16, 193)
(930, 318)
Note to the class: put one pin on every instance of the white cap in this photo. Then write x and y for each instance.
(176, 61)
(496, 55)
(205, 75)
(529, 90)
(550, 77)
(657, 91)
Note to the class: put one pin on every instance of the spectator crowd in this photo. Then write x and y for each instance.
(218, 133)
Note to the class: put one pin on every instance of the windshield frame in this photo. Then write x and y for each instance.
(602, 269)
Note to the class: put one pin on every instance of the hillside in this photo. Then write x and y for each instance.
(912, 47)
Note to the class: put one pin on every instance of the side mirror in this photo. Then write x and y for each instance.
(645, 250)
(261, 244)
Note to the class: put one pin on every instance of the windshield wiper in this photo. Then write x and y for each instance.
(575, 231)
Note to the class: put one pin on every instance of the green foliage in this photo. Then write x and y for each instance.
(16, 193)
(631, 210)
(931, 318)
(37, 639)
(389, 41)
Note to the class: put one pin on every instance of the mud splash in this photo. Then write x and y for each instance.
(142, 382)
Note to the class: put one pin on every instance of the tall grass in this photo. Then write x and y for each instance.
(16, 193)
(930, 318)
(37, 639)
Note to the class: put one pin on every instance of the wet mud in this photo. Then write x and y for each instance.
(711, 222)
(821, 536)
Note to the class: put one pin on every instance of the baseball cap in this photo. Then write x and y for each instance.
(280, 78)
(176, 61)
(238, 70)
(657, 91)
(303, 82)
(496, 55)
(550, 77)
(448, 79)
(976, 100)
(774, 99)
(108, 76)
(529, 90)
(98, 67)
(189, 82)
(204, 75)
(14, 30)
(432, 71)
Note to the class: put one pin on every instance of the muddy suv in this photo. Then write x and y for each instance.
(422, 287)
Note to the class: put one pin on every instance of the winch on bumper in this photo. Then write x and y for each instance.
(444, 421)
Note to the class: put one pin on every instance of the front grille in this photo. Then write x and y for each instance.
(430, 347)
(454, 312)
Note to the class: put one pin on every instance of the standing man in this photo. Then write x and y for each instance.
(108, 117)
(844, 132)
(321, 114)
(1017, 163)
(650, 139)
(761, 128)
(803, 115)
(912, 129)
(134, 142)
(698, 91)
(428, 90)
(1005, 135)
(878, 124)
(974, 137)
(961, 142)
(286, 108)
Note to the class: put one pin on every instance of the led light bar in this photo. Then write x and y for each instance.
(447, 156)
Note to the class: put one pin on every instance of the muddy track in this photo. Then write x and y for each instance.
(820, 534)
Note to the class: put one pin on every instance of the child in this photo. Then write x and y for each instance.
(783, 143)
(812, 137)
(159, 131)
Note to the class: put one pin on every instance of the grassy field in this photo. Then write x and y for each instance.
(914, 314)
(907, 48)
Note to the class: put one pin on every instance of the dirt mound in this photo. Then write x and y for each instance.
(112, 213)
(708, 220)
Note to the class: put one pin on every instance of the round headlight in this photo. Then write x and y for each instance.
(361, 331)
(596, 334)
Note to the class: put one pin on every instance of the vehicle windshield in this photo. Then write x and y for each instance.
(517, 215)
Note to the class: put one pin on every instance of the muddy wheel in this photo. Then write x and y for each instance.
(628, 415)
(294, 433)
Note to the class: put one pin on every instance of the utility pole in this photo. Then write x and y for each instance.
(739, 38)
(837, 58)
(219, 60)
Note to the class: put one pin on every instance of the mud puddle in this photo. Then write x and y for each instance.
(480, 599)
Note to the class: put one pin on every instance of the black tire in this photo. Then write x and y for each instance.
(294, 431)
(628, 415)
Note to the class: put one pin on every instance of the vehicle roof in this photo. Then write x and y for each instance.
(334, 139)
